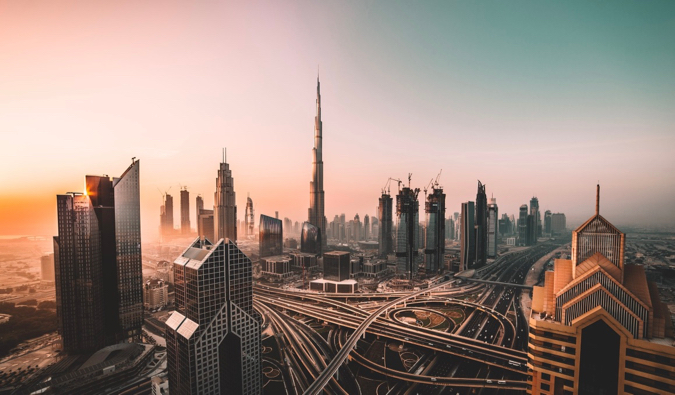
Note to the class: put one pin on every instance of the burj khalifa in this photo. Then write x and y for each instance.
(316, 194)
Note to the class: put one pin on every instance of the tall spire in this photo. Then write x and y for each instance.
(597, 201)
(316, 215)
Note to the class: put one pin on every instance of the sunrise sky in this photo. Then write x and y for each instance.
(531, 97)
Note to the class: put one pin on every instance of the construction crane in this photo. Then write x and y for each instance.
(436, 185)
(386, 186)
(426, 188)
(165, 192)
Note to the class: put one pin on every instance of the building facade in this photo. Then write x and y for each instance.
(310, 239)
(384, 214)
(467, 254)
(271, 236)
(213, 338)
(155, 294)
(336, 265)
(47, 267)
(166, 216)
(206, 225)
(598, 325)
(558, 223)
(184, 211)
(249, 217)
(481, 226)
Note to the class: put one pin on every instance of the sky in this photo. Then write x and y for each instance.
(533, 98)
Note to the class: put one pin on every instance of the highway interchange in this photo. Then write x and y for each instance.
(322, 342)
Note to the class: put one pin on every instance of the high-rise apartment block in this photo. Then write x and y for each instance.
(385, 216)
(316, 215)
(271, 236)
(493, 228)
(213, 338)
(407, 232)
(558, 223)
(225, 204)
(434, 249)
(597, 325)
(97, 259)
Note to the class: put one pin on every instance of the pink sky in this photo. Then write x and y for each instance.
(85, 86)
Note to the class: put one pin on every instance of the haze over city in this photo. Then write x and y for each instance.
(533, 98)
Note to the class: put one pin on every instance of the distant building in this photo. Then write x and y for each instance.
(316, 215)
(225, 204)
(547, 222)
(531, 238)
(493, 228)
(468, 237)
(249, 217)
(206, 225)
(366, 228)
(505, 226)
(336, 265)
(357, 232)
(302, 260)
(47, 267)
(558, 223)
(199, 204)
(407, 233)
(323, 285)
(534, 210)
(384, 213)
(166, 216)
(184, 211)
(310, 239)
(276, 266)
(155, 294)
(213, 338)
(435, 233)
(271, 236)
(597, 323)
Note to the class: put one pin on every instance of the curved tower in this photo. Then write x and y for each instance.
(316, 195)
(249, 217)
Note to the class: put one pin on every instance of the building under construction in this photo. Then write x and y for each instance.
(407, 233)
(435, 235)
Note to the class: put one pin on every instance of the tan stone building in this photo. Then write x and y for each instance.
(597, 325)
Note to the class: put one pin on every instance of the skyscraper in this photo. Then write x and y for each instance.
(594, 322)
(184, 211)
(310, 239)
(99, 284)
(271, 236)
(213, 338)
(316, 194)
(357, 231)
(558, 223)
(407, 233)
(493, 228)
(336, 265)
(522, 225)
(166, 216)
(547, 222)
(481, 226)
(467, 250)
(199, 204)
(225, 204)
(434, 249)
(249, 217)
(366, 227)
(384, 237)
(534, 210)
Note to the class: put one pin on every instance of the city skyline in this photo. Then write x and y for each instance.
(521, 102)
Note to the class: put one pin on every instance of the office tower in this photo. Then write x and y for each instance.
(493, 228)
(467, 250)
(434, 249)
(558, 223)
(531, 238)
(547, 222)
(97, 260)
(597, 324)
(481, 225)
(534, 210)
(184, 211)
(336, 265)
(249, 217)
(407, 233)
(458, 226)
(384, 215)
(271, 236)
(213, 338)
(357, 231)
(206, 225)
(310, 239)
(78, 271)
(366, 227)
(225, 204)
(522, 225)
(166, 216)
(199, 204)
(505, 226)
(47, 267)
(316, 194)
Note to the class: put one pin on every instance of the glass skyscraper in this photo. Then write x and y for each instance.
(271, 236)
